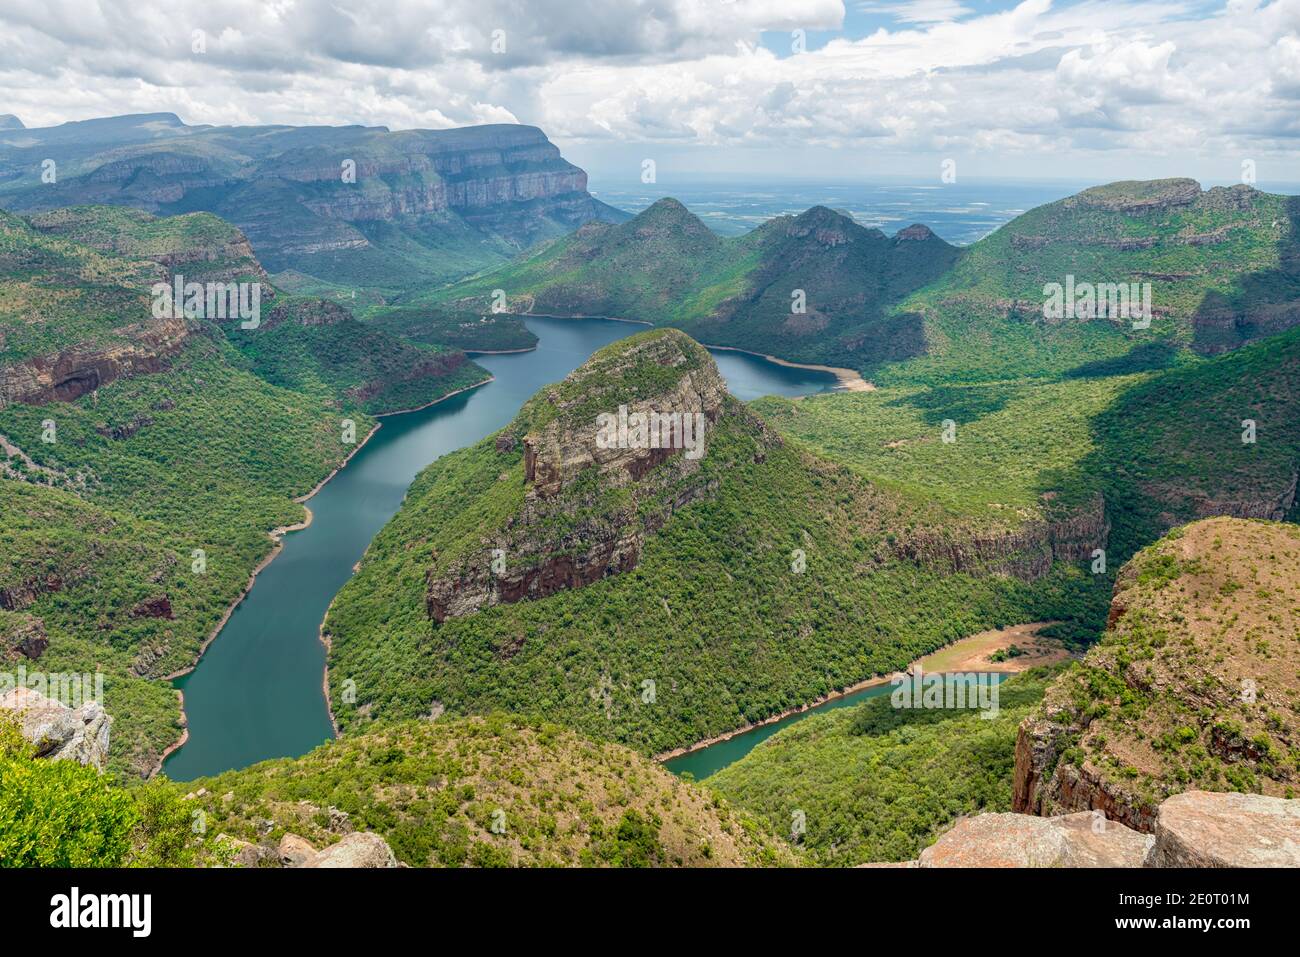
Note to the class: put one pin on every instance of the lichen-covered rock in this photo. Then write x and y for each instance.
(59, 732)
(1206, 829)
(244, 853)
(360, 849)
(1021, 840)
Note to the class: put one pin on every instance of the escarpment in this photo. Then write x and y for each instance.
(1191, 687)
(1027, 552)
(67, 375)
(605, 457)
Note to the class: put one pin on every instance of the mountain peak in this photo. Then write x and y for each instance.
(10, 122)
(914, 233)
(824, 225)
(607, 456)
(668, 213)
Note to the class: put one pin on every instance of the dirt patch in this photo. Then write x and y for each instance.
(974, 653)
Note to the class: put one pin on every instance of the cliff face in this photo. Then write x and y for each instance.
(587, 507)
(1190, 687)
(302, 194)
(65, 376)
(1027, 552)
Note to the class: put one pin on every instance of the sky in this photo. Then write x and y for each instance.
(732, 90)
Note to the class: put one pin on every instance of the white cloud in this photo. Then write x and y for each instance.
(1052, 80)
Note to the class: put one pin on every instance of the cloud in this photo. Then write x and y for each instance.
(1038, 78)
(918, 11)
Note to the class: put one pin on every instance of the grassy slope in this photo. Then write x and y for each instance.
(877, 783)
(432, 789)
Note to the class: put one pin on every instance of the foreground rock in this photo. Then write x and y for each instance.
(1021, 840)
(59, 732)
(356, 850)
(1194, 829)
(1200, 829)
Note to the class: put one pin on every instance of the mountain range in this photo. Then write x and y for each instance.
(619, 601)
(331, 208)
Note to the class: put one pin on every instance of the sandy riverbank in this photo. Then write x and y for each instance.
(965, 654)
(849, 380)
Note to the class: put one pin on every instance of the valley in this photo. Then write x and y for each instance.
(898, 458)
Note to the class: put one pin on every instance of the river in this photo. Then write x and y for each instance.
(257, 691)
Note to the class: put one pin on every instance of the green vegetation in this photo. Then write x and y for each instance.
(668, 268)
(713, 613)
(471, 331)
(131, 525)
(1221, 264)
(63, 814)
(489, 792)
(879, 783)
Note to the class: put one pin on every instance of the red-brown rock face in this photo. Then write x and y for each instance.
(588, 506)
(68, 375)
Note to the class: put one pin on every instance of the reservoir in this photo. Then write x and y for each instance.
(257, 692)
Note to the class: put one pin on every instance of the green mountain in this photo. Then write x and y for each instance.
(666, 267)
(649, 596)
(145, 459)
(1219, 268)
(1222, 266)
(336, 207)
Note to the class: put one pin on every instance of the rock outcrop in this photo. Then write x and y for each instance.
(1202, 829)
(1193, 829)
(22, 636)
(589, 504)
(1027, 552)
(67, 375)
(1190, 687)
(1020, 840)
(357, 849)
(58, 731)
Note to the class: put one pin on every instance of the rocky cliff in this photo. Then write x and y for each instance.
(448, 200)
(1026, 552)
(71, 373)
(590, 498)
(1191, 687)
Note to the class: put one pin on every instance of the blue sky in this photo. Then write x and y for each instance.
(1085, 90)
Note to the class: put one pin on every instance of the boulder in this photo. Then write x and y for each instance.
(1203, 829)
(1084, 839)
(246, 854)
(359, 849)
(295, 851)
(60, 732)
